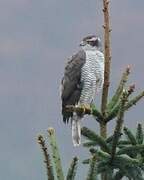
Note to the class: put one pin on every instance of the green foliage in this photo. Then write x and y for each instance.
(47, 158)
(99, 153)
(118, 175)
(130, 136)
(90, 144)
(94, 139)
(134, 100)
(96, 113)
(123, 163)
(114, 157)
(53, 160)
(55, 154)
(116, 97)
(114, 110)
(92, 173)
(119, 123)
(111, 158)
(72, 169)
(131, 149)
(139, 134)
(128, 159)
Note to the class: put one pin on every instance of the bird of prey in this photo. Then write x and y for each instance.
(83, 78)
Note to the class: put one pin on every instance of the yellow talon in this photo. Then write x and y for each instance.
(86, 108)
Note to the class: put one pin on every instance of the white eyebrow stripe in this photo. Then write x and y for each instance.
(93, 39)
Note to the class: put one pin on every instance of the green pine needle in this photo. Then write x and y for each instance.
(47, 159)
(100, 154)
(90, 135)
(139, 134)
(116, 98)
(124, 142)
(113, 112)
(90, 144)
(126, 160)
(131, 149)
(55, 154)
(96, 113)
(92, 173)
(110, 139)
(130, 136)
(72, 170)
(134, 100)
(119, 124)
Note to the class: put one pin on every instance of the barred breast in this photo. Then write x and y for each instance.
(92, 75)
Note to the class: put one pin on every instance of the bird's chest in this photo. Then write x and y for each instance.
(89, 67)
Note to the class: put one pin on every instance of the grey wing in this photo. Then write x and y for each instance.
(71, 85)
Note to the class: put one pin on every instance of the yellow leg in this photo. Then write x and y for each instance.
(86, 108)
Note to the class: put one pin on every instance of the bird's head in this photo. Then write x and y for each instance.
(91, 41)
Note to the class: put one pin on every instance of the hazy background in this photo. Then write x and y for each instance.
(36, 37)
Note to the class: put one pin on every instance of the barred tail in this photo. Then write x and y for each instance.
(76, 130)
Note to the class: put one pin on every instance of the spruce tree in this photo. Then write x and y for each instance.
(114, 156)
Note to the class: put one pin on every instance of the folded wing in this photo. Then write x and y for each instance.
(71, 84)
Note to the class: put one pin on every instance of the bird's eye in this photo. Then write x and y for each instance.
(93, 42)
(88, 41)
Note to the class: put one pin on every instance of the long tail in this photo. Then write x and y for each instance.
(76, 130)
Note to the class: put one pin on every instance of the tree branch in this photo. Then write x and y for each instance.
(92, 173)
(107, 55)
(139, 134)
(130, 136)
(47, 160)
(55, 154)
(90, 135)
(72, 169)
(83, 110)
(134, 100)
(115, 110)
(118, 93)
(119, 124)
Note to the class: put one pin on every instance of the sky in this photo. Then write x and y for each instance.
(36, 37)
